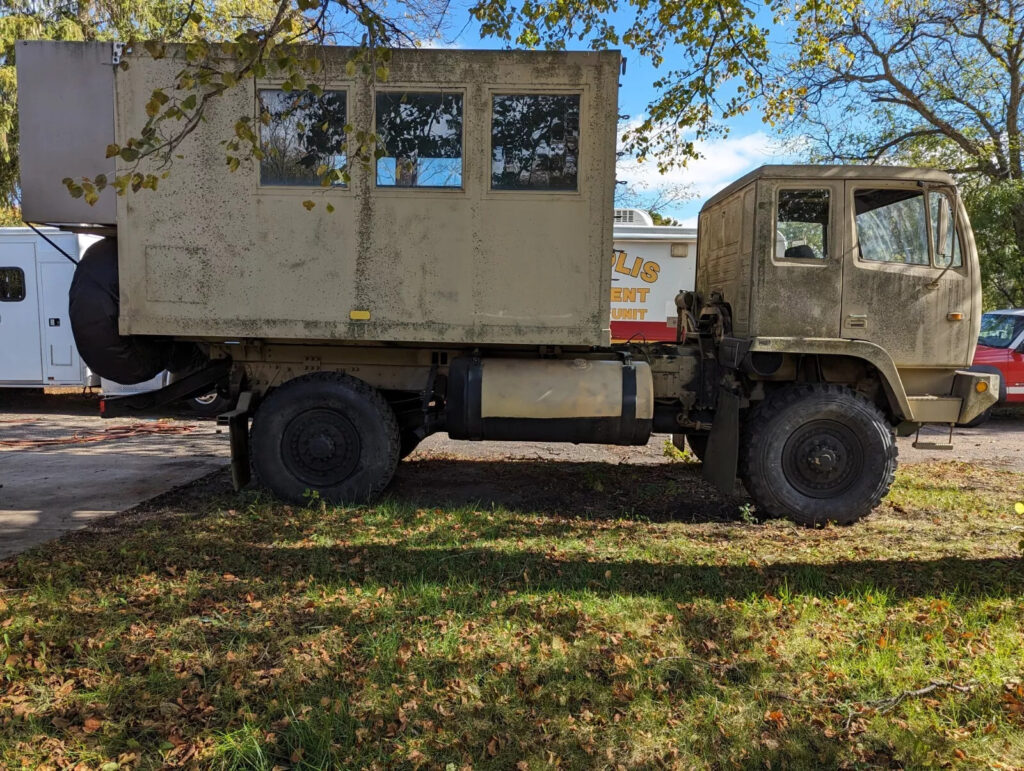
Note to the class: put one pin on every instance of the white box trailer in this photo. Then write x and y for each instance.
(37, 347)
(651, 264)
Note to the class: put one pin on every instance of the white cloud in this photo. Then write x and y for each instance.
(721, 161)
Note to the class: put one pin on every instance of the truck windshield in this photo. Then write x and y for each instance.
(999, 330)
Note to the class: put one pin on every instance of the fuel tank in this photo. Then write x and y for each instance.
(581, 400)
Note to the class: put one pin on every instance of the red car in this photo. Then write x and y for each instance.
(1001, 350)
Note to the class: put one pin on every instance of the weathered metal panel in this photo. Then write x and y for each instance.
(724, 246)
(66, 121)
(465, 265)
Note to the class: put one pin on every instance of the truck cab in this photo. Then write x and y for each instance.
(849, 263)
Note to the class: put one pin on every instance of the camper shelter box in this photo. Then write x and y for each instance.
(486, 222)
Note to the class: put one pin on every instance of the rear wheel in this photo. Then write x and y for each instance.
(325, 432)
(818, 453)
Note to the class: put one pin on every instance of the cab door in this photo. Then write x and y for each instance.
(906, 277)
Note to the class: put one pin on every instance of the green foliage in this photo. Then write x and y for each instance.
(993, 207)
(713, 58)
(213, 20)
(662, 220)
(938, 84)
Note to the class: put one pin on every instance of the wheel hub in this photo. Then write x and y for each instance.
(321, 447)
(822, 458)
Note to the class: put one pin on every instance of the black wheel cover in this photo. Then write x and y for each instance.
(321, 447)
(94, 306)
(822, 459)
(817, 453)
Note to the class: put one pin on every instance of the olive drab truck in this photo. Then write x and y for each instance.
(461, 280)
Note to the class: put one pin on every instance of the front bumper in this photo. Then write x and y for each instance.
(977, 392)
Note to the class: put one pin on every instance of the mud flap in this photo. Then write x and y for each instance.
(238, 431)
(721, 460)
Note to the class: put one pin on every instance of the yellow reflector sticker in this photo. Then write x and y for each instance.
(981, 387)
(359, 315)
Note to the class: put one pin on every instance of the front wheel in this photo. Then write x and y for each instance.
(328, 433)
(818, 453)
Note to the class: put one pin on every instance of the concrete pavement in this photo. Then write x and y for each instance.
(59, 472)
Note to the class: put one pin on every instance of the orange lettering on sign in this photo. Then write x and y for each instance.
(637, 268)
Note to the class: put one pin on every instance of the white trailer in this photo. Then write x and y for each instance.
(37, 348)
(651, 264)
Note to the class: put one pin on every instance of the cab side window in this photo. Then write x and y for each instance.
(12, 285)
(801, 225)
(891, 226)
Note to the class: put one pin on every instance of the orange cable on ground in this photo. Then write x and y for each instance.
(114, 432)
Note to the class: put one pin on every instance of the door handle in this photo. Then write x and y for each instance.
(856, 319)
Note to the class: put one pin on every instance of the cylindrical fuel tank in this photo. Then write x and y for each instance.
(585, 401)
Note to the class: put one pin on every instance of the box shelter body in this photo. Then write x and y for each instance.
(462, 254)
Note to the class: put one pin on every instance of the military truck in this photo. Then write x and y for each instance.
(460, 282)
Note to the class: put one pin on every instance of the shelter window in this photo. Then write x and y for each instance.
(421, 139)
(801, 225)
(892, 226)
(302, 138)
(946, 239)
(535, 141)
(12, 285)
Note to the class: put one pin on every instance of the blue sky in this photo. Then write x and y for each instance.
(748, 144)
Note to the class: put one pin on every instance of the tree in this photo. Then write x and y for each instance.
(937, 83)
(102, 20)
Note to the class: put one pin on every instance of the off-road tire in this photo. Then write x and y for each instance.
(325, 432)
(695, 443)
(817, 453)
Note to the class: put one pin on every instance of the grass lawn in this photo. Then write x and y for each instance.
(231, 631)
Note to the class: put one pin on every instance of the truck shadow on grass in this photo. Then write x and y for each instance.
(255, 591)
(592, 490)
